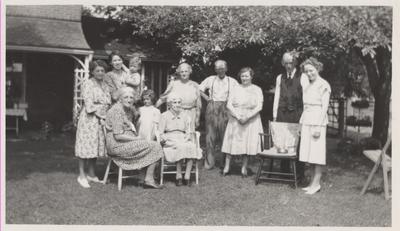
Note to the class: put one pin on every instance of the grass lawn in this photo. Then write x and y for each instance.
(41, 188)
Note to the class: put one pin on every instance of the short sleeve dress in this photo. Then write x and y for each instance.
(315, 98)
(90, 142)
(128, 155)
(174, 129)
(191, 101)
(244, 138)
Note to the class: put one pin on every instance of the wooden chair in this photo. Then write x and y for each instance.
(285, 138)
(379, 157)
(120, 170)
(170, 168)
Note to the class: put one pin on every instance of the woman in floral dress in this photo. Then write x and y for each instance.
(244, 124)
(128, 150)
(90, 142)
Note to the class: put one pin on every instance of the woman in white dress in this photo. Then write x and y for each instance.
(314, 119)
(244, 125)
(189, 92)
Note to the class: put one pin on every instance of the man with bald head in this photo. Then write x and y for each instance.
(288, 99)
(220, 88)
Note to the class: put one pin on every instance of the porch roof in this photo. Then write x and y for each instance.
(30, 29)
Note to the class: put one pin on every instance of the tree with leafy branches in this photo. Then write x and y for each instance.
(259, 35)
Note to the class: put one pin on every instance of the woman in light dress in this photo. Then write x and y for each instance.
(90, 142)
(314, 120)
(244, 125)
(178, 138)
(189, 92)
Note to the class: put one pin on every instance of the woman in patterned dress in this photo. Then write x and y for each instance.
(313, 121)
(90, 142)
(178, 138)
(244, 124)
(189, 92)
(128, 150)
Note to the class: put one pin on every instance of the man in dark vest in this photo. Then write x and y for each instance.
(288, 99)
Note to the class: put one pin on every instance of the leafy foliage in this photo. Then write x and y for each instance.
(204, 32)
(257, 36)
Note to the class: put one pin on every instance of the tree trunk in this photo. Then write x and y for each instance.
(380, 80)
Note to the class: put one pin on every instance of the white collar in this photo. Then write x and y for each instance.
(292, 74)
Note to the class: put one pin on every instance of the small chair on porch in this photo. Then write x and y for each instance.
(380, 158)
(285, 139)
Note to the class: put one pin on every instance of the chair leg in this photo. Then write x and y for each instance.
(259, 170)
(385, 182)
(294, 173)
(107, 171)
(119, 179)
(371, 174)
(162, 171)
(197, 172)
(271, 166)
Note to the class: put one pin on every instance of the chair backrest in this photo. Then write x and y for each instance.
(285, 135)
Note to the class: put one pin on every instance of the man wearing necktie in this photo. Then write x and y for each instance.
(288, 99)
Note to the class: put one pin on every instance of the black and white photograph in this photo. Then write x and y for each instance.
(207, 115)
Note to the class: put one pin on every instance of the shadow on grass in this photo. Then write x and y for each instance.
(42, 189)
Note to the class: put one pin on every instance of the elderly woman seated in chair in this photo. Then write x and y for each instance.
(177, 138)
(128, 150)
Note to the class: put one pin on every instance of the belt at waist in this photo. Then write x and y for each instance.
(310, 106)
(188, 107)
(217, 101)
(175, 131)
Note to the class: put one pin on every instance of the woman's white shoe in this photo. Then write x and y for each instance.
(306, 188)
(313, 190)
(83, 182)
(93, 179)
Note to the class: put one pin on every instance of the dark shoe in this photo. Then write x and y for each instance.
(151, 185)
(178, 182)
(187, 182)
(225, 173)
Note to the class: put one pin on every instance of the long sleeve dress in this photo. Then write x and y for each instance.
(244, 138)
(90, 142)
(128, 155)
(179, 140)
(314, 118)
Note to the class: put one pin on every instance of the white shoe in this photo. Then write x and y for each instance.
(83, 182)
(313, 190)
(93, 179)
(306, 188)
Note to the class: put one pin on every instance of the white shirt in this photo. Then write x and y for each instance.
(303, 81)
(220, 89)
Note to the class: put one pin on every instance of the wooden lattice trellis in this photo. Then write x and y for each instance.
(81, 76)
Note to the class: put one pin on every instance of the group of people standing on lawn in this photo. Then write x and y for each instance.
(137, 137)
